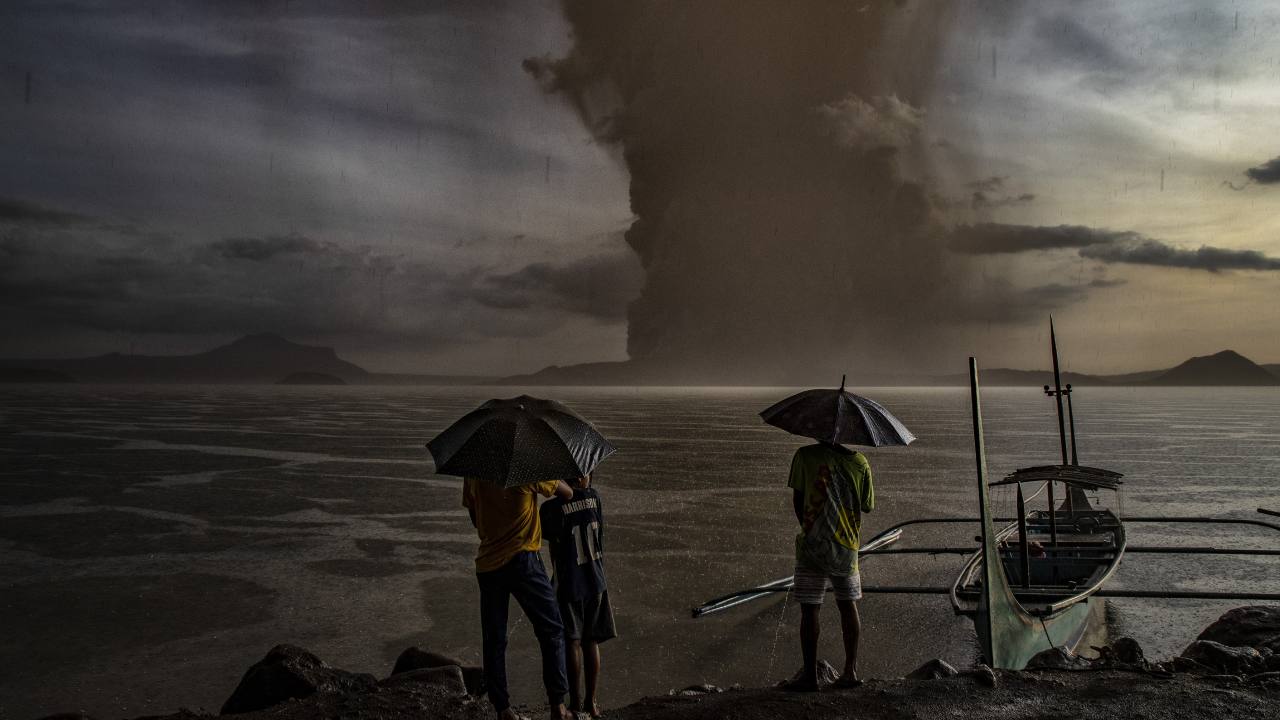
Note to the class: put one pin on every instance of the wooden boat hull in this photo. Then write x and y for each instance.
(1016, 637)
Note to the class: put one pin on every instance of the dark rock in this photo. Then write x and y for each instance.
(932, 670)
(288, 672)
(1225, 678)
(703, 689)
(81, 715)
(1272, 662)
(1058, 658)
(415, 658)
(1182, 664)
(446, 677)
(1125, 653)
(1255, 626)
(1265, 677)
(1222, 658)
(985, 676)
(1127, 650)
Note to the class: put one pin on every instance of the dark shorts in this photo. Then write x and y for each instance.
(588, 620)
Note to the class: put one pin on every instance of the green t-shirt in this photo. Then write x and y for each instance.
(837, 490)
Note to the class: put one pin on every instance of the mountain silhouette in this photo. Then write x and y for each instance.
(263, 358)
(1224, 368)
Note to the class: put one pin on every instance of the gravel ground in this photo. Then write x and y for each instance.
(1050, 695)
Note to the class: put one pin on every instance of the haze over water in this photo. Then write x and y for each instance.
(156, 541)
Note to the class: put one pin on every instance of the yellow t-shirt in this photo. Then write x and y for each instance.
(506, 519)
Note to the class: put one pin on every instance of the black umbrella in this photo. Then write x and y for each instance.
(519, 441)
(838, 416)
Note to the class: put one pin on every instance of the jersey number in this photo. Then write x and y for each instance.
(591, 549)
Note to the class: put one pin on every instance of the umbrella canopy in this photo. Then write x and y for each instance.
(519, 441)
(838, 416)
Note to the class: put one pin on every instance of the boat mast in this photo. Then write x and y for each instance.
(1057, 394)
(1062, 431)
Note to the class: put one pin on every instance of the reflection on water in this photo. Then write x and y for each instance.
(156, 541)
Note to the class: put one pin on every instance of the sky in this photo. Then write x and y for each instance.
(491, 188)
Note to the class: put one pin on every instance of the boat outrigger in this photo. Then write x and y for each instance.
(1051, 565)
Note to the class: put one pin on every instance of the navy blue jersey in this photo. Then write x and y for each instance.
(574, 532)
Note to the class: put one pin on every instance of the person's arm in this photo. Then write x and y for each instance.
(599, 520)
(796, 481)
(868, 499)
(563, 491)
(468, 502)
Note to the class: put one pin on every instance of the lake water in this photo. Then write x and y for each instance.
(156, 541)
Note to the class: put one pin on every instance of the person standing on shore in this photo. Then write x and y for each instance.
(574, 529)
(508, 564)
(831, 488)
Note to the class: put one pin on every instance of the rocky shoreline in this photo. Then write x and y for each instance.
(1231, 669)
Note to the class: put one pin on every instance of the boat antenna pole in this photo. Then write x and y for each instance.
(1071, 423)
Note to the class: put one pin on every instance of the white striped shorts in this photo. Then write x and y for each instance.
(810, 586)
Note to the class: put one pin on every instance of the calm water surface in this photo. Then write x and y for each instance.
(154, 542)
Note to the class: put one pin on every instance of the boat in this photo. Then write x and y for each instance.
(1030, 585)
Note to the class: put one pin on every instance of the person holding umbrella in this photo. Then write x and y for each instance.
(508, 452)
(831, 489)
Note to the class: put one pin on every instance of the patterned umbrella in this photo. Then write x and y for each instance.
(519, 441)
(838, 416)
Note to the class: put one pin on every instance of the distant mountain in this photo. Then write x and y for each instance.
(1225, 368)
(600, 373)
(252, 359)
(311, 378)
(426, 379)
(1134, 378)
(1006, 377)
(33, 375)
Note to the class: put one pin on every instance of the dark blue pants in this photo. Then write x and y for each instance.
(526, 579)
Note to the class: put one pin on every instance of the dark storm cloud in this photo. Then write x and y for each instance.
(599, 286)
(88, 278)
(997, 238)
(247, 8)
(1266, 173)
(1108, 246)
(985, 201)
(265, 248)
(1155, 252)
(19, 212)
(994, 183)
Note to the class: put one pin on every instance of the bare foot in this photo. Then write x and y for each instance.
(510, 714)
(593, 709)
(799, 684)
(560, 712)
(846, 681)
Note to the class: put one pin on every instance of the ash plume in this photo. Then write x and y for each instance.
(767, 145)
